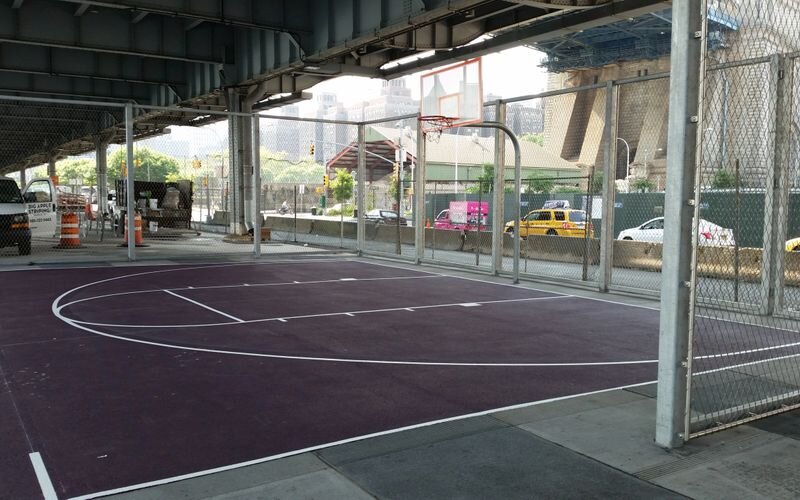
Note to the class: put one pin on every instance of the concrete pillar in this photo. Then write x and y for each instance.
(22, 177)
(237, 149)
(51, 167)
(101, 165)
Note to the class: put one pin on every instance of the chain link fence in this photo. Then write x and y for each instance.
(745, 335)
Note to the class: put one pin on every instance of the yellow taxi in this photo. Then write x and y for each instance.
(793, 245)
(559, 221)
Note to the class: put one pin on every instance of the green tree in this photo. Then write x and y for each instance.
(342, 189)
(342, 185)
(537, 139)
(723, 179)
(642, 185)
(79, 170)
(485, 180)
(597, 183)
(538, 183)
(148, 162)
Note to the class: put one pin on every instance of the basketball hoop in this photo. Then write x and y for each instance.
(434, 125)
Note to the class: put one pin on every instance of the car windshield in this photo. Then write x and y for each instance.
(577, 216)
(9, 192)
(389, 215)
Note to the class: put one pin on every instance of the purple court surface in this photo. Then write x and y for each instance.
(116, 377)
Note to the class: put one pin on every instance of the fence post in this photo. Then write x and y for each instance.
(609, 191)
(361, 175)
(130, 195)
(419, 189)
(774, 183)
(784, 136)
(255, 146)
(687, 67)
(499, 196)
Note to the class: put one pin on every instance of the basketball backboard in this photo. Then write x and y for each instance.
(454, 93)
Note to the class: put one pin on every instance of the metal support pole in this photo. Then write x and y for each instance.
(22, 178)
(398, 192)
(775, 181)
(688, 40)
(130, 195)
(294, 213)
(51, 167)
(498, 199)
(478, 228)
(419, 197)
(361, 179)
(609, 192)
(255, 144)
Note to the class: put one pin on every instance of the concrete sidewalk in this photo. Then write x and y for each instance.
(599, 446)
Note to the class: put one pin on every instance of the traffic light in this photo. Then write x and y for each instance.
(311, 149)
(124, 169)
(326, 181)
(196, 164)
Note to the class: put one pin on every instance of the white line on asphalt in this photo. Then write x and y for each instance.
(309, 449)
(215, 287)
(305, 316)
(470, 304)
(42, 476)
(187, 299)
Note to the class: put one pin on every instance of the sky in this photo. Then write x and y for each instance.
(509, 73)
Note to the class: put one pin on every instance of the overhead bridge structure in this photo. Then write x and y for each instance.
(204, 53)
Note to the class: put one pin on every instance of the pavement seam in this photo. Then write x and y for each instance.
(723, 450)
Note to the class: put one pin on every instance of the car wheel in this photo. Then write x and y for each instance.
(552, 232)
(24, 248)
(627, 238)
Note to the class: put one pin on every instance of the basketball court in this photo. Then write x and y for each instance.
(122, 377)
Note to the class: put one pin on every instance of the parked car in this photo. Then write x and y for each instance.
(381, 216)
(14, 225)
(553, 222)
(793, 245)
(653, 231)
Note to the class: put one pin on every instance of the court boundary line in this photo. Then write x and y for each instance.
(204, 306)
(45, 484)
(278, 456)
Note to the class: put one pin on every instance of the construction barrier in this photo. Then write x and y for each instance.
(70, 231)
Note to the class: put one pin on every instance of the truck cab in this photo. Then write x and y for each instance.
(14, 225)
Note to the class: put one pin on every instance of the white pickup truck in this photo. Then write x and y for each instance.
(45, 202)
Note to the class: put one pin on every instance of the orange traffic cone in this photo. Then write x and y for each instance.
(137, 231)
(428, 223)
(70, 231)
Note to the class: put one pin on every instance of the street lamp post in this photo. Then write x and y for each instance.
(628, 158)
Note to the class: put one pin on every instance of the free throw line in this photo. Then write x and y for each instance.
(187, 299)
(42, 476)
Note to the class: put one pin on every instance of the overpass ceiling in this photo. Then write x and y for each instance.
(634, 39)
(182, 53)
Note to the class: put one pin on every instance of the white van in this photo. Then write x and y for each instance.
(14, 226)
(46, 201)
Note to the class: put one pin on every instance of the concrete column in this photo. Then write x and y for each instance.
(51, 167)
(238, 142)
(23, 180)
(101, 162)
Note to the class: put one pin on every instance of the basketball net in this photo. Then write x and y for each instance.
(434, 125)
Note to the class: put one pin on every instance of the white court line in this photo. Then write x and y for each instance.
(42, 476)
(187, 299)
(216, 287)
(363, 437)
(305, 316)
(748, 351)
(75, 324)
